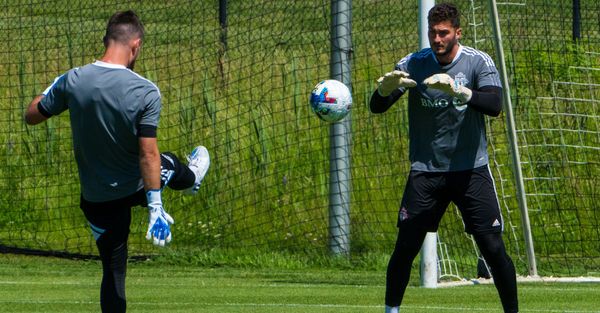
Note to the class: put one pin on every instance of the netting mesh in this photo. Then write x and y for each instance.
(246, 101)
(558, 129)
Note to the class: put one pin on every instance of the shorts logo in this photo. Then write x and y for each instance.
(496, 223)
(403, 214)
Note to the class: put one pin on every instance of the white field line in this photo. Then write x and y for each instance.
(200, 283)
(291, 305)
(195, 283)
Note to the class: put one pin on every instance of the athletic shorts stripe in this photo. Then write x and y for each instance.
(497, 198)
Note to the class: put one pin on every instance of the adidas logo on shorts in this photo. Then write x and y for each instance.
(495, 223)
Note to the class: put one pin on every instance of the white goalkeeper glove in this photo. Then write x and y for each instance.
(448, 85)
(392, 81)
(159, 220)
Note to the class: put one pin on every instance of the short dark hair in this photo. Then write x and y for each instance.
(444, 12)
(124, 26)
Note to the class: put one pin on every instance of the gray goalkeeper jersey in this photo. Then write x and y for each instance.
(445, 134)
(107, 104)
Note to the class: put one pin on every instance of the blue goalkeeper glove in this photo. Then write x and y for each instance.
(159, 221)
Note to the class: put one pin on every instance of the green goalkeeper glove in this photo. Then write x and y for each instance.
(448, 85)
(392, 81)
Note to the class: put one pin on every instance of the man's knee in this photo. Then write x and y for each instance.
(409, 242)
(493, 249)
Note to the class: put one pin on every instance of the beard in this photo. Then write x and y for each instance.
(447, 49)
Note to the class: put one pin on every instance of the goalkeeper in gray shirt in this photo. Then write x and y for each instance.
(450, 89)
(114, 116)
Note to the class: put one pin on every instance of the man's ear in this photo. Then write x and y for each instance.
(136, 44)
(458, 33)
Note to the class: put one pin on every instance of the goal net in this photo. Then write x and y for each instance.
(241, 89)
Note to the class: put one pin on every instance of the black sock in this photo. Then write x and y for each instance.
(502, 268)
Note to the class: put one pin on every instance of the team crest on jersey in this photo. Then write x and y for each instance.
(460, 79)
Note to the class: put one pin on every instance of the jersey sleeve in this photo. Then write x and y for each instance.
(402, 65)
(487, 72)
(54, 101)
(151, 111)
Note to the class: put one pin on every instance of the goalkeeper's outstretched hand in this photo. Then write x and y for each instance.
(159, 227)
(392, 81)
(448, 85)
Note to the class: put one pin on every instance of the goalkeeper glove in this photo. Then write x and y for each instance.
(392, 81)
(159, 220)
(448, 85)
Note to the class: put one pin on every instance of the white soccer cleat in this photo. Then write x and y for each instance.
(198, 162)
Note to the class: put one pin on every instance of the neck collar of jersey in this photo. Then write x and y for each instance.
(109, 65)
(458, 53)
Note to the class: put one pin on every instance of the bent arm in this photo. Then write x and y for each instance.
(487, 100)
(379, 104)
(34, 113)
(54, 102)
(150, 163)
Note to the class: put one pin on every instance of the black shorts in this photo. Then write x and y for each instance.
(111, 219)
(428, 194)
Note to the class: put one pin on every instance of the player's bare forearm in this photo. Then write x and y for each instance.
(150, 162)
(33, 115)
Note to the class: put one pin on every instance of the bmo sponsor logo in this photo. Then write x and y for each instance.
(442, 103)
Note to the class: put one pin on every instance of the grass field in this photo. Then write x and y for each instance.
(40, 284)
(267, 188)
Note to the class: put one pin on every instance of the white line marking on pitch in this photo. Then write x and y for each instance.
(300, 305)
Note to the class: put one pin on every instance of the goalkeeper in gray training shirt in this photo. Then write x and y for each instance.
(114, 118)
(450, 89)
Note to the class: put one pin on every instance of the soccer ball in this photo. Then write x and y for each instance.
(331, 100)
